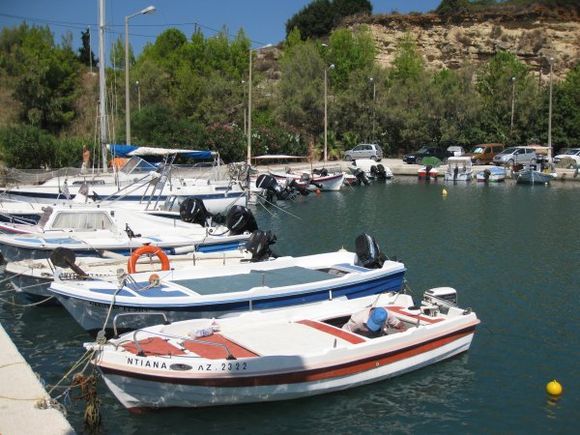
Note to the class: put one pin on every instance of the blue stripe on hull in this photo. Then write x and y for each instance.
(134, 198)
(392, 282)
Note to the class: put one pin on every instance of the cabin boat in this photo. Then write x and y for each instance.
(185, 294)
(99, 232)
(271, 356)
(459, 168)
(532, 176)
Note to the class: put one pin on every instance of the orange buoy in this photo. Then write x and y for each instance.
(147, 250)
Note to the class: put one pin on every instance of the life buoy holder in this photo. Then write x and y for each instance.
(147, 250)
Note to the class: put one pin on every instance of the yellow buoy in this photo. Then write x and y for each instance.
(554, 388)
(444, 192)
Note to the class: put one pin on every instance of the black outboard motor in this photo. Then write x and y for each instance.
(271, 187)
(239, 220)
(428, 172)
(63, 257)
(368, 252)
(381, 173)
(294, 186)
(193, 210)
(259, 245)
(486, 175)
(361, 176)
(455, 173)
(374, 171)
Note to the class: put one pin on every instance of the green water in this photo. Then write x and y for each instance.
(513, 254)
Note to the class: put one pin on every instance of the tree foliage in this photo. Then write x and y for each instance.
(86, 55)
(319, 17)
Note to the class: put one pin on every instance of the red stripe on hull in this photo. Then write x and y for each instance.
(341, 370)
(329, 329)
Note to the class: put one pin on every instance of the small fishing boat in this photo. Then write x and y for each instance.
(270, 284)
(287, 354)
(323, 180)
(493, 174)
(372, 169)
(92, 231)
(459, 168)
(427, 172)
(532, 176)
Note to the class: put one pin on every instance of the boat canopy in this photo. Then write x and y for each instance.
(120, 150)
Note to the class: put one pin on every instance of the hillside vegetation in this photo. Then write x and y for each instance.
(193, 92)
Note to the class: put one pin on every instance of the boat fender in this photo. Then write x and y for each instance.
(147, 250)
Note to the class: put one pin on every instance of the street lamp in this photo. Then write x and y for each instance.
(372, 80)
(147, 10)
(513, 104)
(550, 115)
(331, 66)
(249, 153)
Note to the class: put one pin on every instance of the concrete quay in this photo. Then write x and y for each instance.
(398, 167)
(20, 392)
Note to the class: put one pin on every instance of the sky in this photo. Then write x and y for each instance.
(263, 21)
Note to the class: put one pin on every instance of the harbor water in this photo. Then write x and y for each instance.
(513, 254)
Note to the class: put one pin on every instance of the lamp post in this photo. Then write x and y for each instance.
(147, 10)
(550, 114)
(513, 104)
(243, 101)
(331, 66)
(249, 132)
(138, 95)
(372, 80)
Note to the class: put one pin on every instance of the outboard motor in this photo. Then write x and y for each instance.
(294, 186)
(259, 245)
(374, 171)
(239, 220)
(381, 173)
(428, 172)
(455, 173)
(368, 252)
(63, 257)
(486, 175)
(361, 176)
(271, 187)
(193, 210)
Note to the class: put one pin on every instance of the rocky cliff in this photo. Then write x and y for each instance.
(451, 42)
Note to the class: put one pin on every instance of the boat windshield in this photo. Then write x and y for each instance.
(136, 165)
(82, 221)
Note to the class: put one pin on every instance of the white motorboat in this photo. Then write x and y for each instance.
(371, 168)
(270, 284)
(323, 180)
(493, 174)
(459, 168)
(99, 231)
(287, 354)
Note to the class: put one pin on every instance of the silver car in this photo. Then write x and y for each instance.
(365, 151)
(516, 156)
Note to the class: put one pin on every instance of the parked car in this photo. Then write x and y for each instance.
(419, 155)
(365, 151)
(570, 153)
(483, 154)
(516, 156)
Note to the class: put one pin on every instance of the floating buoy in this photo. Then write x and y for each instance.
(554, 388)
(444, 192)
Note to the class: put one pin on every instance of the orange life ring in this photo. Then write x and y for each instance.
(144, 250)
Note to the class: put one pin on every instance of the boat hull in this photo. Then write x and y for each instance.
(137, 390)
(91, 315)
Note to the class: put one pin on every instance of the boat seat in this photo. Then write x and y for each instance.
(153, 346)
(216, 346)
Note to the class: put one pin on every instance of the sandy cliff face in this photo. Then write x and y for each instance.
(474, 40)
